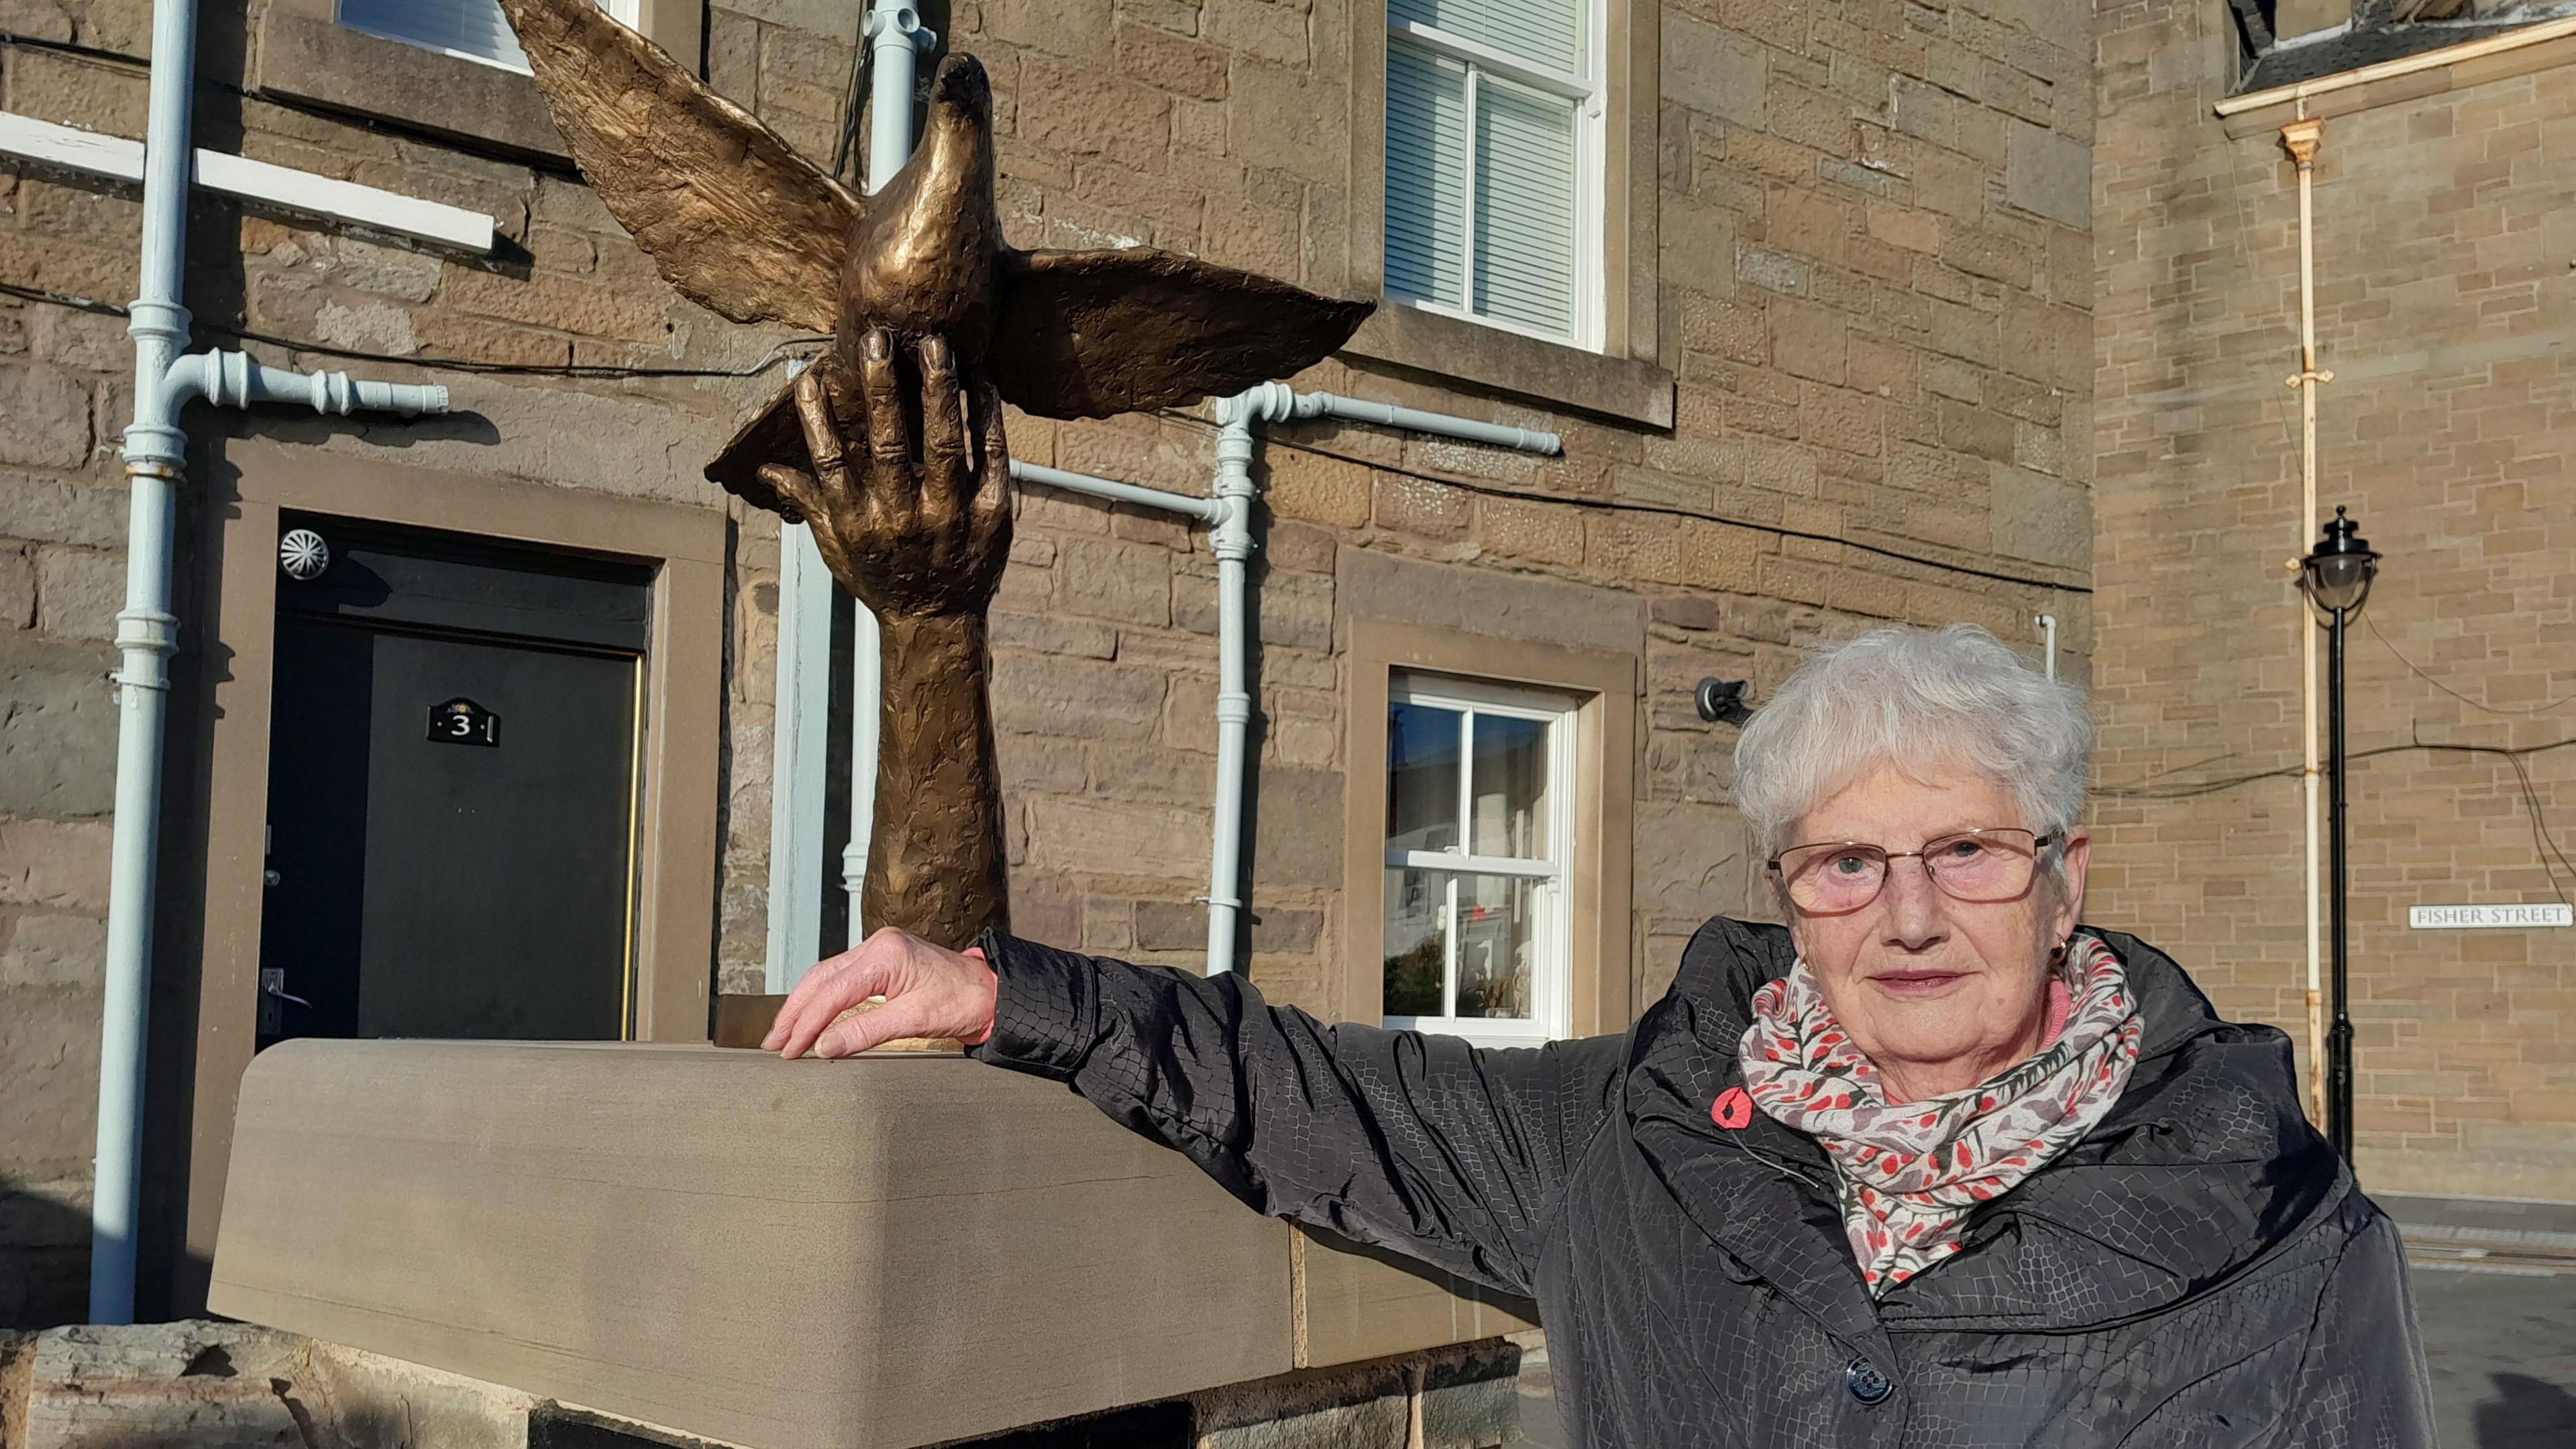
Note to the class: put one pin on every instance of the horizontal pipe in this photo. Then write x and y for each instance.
(2479, 49)
(1526, 440)
(232, 379)
(1207, 509)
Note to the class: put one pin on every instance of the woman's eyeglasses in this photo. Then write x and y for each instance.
(1973, 865)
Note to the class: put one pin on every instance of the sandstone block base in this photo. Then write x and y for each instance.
(885, 1251)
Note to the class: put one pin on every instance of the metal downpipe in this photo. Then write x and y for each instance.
(146, 635)
(2301, 138)
(1231, 540)
(147, 630)
(1237, 419)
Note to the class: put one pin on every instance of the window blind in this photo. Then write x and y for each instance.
(1426, 176)
(473, 29)
(1525, 248)
(1544, 32)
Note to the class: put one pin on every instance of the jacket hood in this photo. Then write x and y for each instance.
(2205, 1167)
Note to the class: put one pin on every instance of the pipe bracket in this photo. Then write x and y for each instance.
(165, 321)
(153, 629)
(148, 637)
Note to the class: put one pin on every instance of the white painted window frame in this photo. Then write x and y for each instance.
(326, 198)
(628, 13)
(1589, 91)
(1552, 976)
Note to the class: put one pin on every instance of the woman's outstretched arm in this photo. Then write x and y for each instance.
(1450, 1153)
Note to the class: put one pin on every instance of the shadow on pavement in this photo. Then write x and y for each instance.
(2526, 1413)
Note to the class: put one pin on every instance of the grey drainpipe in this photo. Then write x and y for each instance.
(147, 632)
(1238, 418)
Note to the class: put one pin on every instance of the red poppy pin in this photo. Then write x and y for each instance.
(1733, 1110)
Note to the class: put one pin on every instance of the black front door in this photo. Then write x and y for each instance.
(452, 787)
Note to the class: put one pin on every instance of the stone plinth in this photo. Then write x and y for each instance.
(887, 1251)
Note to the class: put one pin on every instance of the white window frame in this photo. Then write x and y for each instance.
(1552, 974)
(1588, 90)
(625, 12)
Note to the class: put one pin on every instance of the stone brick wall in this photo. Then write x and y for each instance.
(2443, 251)
(1873, 292)
(1876, 274)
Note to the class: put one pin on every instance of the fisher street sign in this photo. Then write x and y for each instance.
(2504, 917)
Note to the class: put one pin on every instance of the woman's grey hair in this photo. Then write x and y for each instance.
(1918, 699)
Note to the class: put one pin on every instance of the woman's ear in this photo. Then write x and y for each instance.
(2073, 859)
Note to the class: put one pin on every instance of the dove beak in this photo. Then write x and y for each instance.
(960, 85)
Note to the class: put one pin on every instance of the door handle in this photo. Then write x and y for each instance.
(273, 983)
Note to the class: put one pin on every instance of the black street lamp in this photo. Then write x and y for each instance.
(2338, 572)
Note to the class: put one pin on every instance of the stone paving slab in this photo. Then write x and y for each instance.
(2502, 1346)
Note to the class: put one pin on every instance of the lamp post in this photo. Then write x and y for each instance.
(2337, 573)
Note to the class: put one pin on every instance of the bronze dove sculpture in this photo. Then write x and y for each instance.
(890, 445)
(741, 224)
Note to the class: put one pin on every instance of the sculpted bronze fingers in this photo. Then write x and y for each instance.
(826, 498)
(912, 519)
(947, 462)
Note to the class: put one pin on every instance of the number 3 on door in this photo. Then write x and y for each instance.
(461, 721)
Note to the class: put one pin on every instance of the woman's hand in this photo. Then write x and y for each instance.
(928, 992)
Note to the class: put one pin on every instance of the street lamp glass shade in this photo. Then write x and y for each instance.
(2341, 581)
(2339, 569)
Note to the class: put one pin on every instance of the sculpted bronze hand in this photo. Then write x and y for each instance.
(922, 527)
(911, 530)
(934, 316)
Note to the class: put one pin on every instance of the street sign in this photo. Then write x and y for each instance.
(2491, 918)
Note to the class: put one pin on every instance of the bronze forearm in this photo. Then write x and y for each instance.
(935, 857)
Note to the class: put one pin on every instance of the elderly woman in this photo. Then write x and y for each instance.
(1932, 1165)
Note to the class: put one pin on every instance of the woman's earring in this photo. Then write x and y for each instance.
(2057, 954)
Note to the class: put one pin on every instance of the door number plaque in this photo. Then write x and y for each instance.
(461, 721)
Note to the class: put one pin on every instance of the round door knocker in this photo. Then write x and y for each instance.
(302, 555)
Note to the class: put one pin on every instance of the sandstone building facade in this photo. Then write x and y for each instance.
(2444, 262)
(1829, 361)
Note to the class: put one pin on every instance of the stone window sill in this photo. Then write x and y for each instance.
(1547, 373)
(305, 54)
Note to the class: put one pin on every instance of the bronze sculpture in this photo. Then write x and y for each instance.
(890, 446)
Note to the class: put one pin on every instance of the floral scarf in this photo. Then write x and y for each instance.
(1910, 1174)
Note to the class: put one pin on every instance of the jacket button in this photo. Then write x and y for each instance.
(1866, 1383)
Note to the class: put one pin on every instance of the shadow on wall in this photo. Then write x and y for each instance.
(44, 1258)
(2526, 1413)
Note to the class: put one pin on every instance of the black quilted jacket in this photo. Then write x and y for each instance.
(2197, 1272)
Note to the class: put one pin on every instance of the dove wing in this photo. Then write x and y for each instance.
(1087, 334)
(729, 213)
